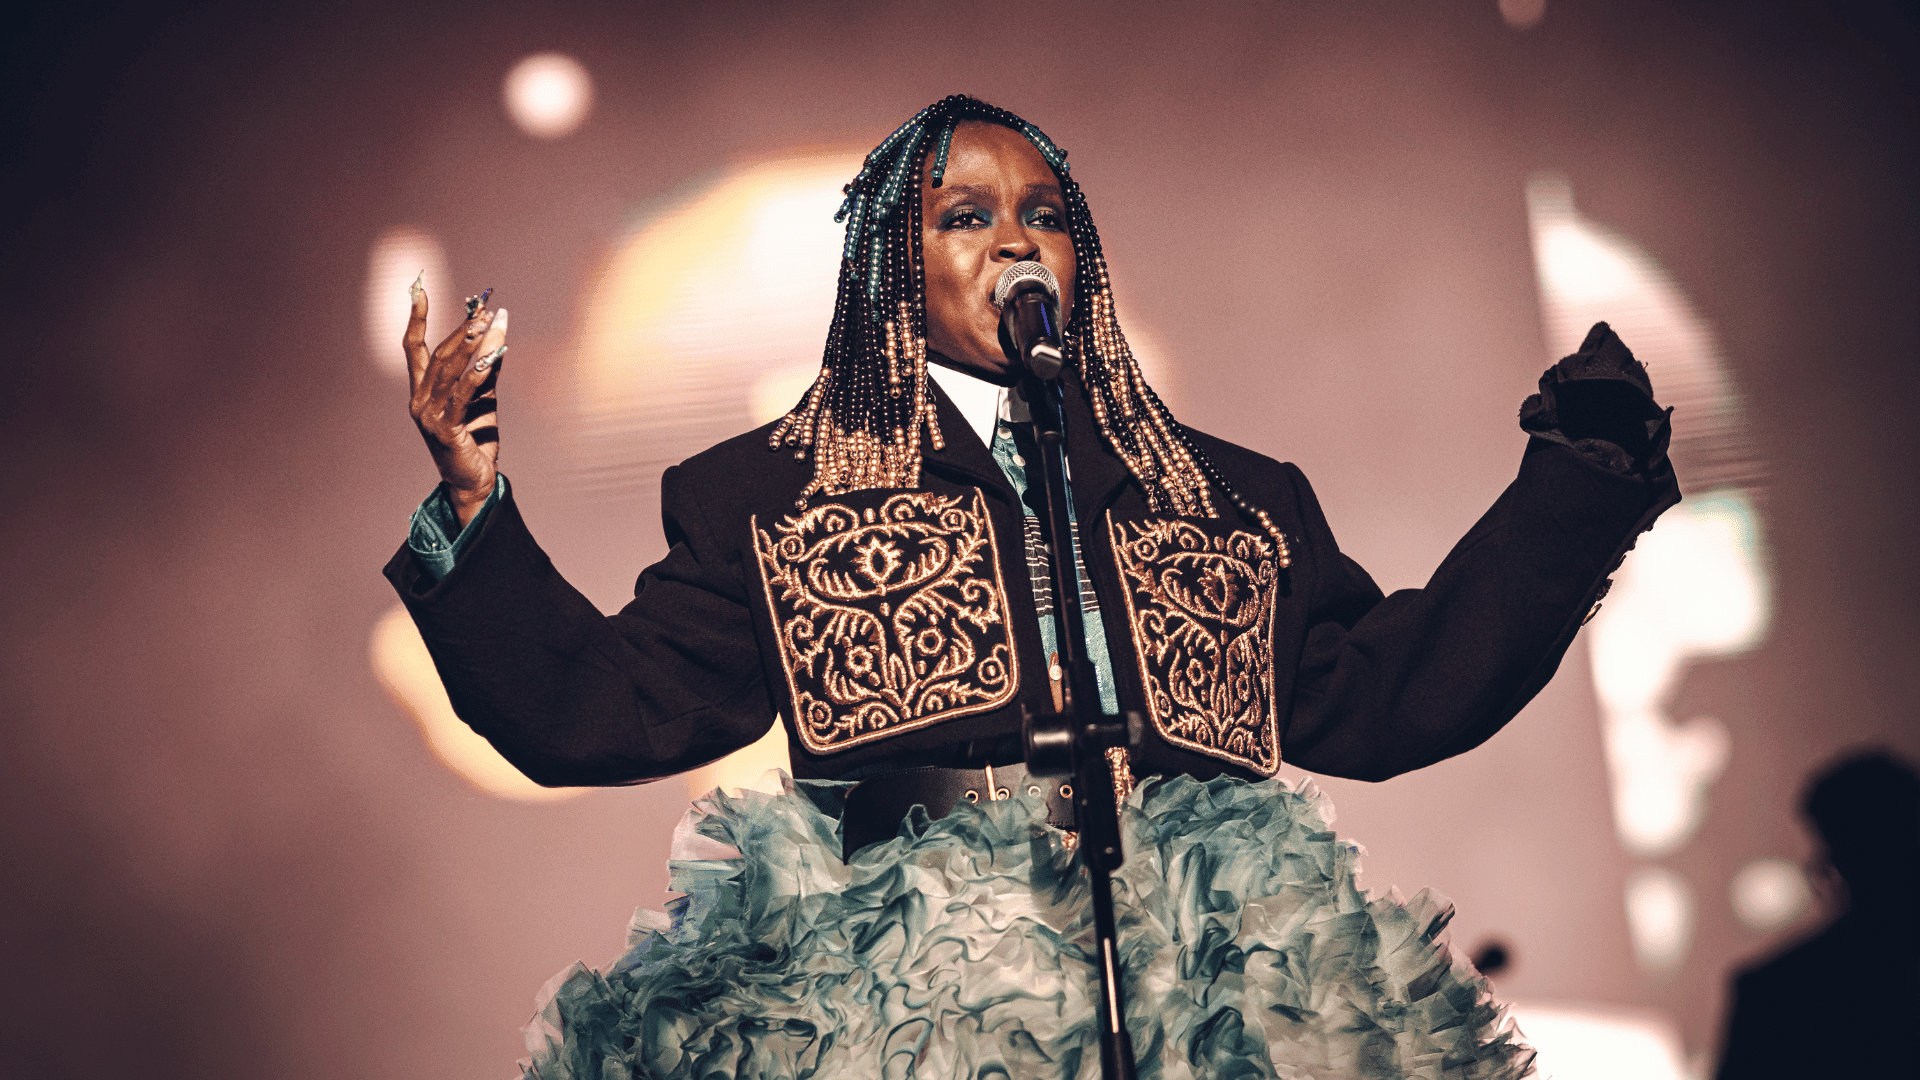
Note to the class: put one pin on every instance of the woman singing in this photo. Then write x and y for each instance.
(871, 571)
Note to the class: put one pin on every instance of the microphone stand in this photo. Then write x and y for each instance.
(1075, 739)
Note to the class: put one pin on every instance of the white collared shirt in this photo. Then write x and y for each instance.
(983, 403)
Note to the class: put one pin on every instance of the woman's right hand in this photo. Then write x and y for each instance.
(454, 399)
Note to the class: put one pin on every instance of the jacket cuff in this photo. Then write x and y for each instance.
(435, 536)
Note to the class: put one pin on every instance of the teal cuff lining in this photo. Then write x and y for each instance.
(434, 521)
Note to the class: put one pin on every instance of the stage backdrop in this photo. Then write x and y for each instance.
(247, 837)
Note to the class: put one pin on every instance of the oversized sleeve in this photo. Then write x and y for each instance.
(574, 697)
(1389, 684)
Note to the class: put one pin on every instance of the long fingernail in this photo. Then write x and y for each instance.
(414, 289)
(487, 361)
(485, 296)
(473, 305)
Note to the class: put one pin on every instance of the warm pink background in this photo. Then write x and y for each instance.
(228, 855)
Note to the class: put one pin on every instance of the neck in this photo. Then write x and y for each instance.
(1004, 376)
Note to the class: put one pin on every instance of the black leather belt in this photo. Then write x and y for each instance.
(876, 807)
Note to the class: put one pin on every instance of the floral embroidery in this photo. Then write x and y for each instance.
(1201, 604)
(890, 614)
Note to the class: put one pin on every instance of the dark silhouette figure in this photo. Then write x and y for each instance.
(1845, 1002)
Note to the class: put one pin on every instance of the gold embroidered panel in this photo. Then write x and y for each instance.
(890, 613)
(1201, 601)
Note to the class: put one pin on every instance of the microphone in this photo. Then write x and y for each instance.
(1029, 301)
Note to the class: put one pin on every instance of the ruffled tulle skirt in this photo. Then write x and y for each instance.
(961, 949)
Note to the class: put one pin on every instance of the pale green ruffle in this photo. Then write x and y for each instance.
(960, 950)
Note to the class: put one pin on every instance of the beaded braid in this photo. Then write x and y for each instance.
(865, 433)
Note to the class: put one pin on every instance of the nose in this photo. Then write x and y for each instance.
(1013, 244)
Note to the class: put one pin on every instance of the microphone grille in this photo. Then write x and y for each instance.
(1021, 273)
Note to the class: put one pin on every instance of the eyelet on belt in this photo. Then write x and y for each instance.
(1033, 789)
(1002, 793)
(1066, 791)
(972, 796)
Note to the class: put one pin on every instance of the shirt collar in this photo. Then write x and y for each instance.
(982, 403)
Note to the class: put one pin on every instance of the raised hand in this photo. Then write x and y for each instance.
(454, 401)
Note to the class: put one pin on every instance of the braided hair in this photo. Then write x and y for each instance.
(864, 416)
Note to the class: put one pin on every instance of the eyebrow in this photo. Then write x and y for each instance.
(952, 192)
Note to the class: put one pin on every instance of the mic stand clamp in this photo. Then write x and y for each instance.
(1074, 740)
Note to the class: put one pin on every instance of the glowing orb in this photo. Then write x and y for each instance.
(1660, 918)
(1769, 894)
(548, 95)
(1523, 14)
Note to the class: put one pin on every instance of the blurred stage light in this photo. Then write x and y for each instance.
(1698, 585)
(1523, 14)
(711, 317)
(548, 95)
(1598, 1042)
(1694, 587)
(396, 258)
(1587, 274)
(722, 292)
(405, 669)
(1769, 893)
(775, 392)
(1659, 917)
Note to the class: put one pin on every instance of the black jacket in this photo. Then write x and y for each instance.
(904, 626)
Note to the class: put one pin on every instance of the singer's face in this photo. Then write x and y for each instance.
(999, 204)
